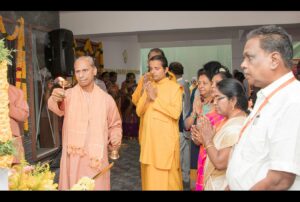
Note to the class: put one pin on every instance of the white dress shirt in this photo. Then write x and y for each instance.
(272, 139)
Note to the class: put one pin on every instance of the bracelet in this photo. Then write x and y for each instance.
(210, 145)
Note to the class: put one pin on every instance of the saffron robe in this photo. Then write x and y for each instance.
(89, 123)
(138, 93)
(159, 138)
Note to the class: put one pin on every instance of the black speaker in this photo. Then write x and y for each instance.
(59, 53)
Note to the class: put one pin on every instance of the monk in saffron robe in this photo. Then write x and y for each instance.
(92, 123)
(18, 113)
(160, 105)
(140, 86)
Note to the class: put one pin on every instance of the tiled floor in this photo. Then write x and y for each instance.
(125, 174)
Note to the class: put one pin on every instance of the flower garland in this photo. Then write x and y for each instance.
(21, 58)
(6, 148)
(88, 50)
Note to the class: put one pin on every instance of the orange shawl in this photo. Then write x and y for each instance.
(85, 118)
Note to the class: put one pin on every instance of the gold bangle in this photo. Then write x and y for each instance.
(210, 145)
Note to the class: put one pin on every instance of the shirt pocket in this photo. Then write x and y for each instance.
(255, 145)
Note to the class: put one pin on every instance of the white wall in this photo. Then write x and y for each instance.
(178, 29)
(95, 22)
(239, 42)
(113, 48)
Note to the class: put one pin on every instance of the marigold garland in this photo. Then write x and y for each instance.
(88, 50)
(6, 156)
(21, 58)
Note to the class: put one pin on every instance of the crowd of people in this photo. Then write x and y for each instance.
(221, 131)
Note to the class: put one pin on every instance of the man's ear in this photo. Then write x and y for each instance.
(275, 59)
(167, 69)
(95, 71)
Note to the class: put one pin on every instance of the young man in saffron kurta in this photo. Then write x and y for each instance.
(91, 123)
(160, 105)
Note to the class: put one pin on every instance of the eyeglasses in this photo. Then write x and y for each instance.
(219, 98)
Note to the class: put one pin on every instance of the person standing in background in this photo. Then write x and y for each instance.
(178, 70)
(18, 113)
(130, 119)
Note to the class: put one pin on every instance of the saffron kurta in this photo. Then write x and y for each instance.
(159, 139)
(90, 121)
(18, 113)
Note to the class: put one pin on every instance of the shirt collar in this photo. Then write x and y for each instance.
(179, 79)
(275, 84)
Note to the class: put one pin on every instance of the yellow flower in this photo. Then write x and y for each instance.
(38, 177)
(6, 161)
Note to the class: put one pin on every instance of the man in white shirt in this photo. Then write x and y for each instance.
(178, 69)
(267, 155)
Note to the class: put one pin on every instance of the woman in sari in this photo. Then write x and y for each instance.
(202, 105)
(130, 120)
(230, 102)
(113, 89)
(215, 120)
(212, 73)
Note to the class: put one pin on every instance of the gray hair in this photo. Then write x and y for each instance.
(87, 58)
(275, 38)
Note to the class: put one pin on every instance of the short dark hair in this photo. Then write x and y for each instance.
(233, 88)
(129, 74)
(176, 68)
(112, 74)
(274, 38)
(157, 50)
(201, 72)
(239, 76)
(162, 59)
(104, 73)
(212, 68)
